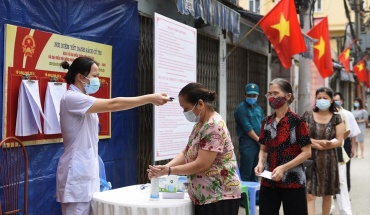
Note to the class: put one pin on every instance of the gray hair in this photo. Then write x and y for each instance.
(284, 86)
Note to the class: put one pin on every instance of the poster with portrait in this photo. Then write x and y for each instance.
(32, 62)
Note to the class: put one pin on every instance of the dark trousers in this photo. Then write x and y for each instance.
(348, 148)
(293, 199)
(248, 160)
(223, 207)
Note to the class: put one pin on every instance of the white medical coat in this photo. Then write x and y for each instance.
(78, 168)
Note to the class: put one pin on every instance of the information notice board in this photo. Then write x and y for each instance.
(175, 63)
(38, 55)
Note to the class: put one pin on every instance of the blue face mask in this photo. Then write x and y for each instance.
(323, 104)
(251, 101)
(190, 115)
(338, 103)
(94, 85)
(356, 105)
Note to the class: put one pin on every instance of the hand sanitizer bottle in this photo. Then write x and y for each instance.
(154, 189)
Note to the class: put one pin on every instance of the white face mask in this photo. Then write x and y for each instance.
(323, 104)
(190, 116)
(94, 85)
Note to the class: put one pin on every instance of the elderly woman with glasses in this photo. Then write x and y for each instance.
(285, 144)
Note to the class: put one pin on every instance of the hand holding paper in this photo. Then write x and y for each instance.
(333, 140)
(275, 175)
(266, 174)
(328, 141)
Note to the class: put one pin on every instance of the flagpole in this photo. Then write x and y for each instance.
(304, 74)
(365, 57)
(241, 40)
(250, 31)
(353, 41)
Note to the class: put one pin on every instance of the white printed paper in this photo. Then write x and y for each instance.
(334, 140)
(54, 93)
(266, 174)
(29, 109)
(175, 65)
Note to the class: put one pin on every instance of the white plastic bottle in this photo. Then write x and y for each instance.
(154, 189)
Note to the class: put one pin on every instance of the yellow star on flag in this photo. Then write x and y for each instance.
(360, 67)
(320, 47)
(283, 27)
(346, 54)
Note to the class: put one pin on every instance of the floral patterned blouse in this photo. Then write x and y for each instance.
(220, 181)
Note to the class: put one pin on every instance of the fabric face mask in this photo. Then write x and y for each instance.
(94, 85)
(356, 105)
(276, 103)
(338, 103)
(190, 116)
(322, 104)
(251, 101)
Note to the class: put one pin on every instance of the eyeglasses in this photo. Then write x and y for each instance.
(274, 95)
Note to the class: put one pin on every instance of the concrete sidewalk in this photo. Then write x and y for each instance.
(360, 185)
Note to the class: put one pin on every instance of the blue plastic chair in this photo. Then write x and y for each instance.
(104, 184)
(101, 169)
(252, 188)
(250, 206)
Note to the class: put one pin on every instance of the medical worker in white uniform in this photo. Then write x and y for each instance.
(78, 169)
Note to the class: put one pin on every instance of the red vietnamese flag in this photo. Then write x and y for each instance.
(360, 71)
(344, 59)
(282, 28)
(368, 79)
(322, 52)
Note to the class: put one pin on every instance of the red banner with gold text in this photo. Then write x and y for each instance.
(38, 55)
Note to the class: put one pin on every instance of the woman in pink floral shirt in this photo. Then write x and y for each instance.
(207, 159)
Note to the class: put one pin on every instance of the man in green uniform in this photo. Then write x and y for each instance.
(248, 116)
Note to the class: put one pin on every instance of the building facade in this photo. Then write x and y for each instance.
(347, 19)
(216, 52)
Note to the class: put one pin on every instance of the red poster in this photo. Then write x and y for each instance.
(37, 55)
